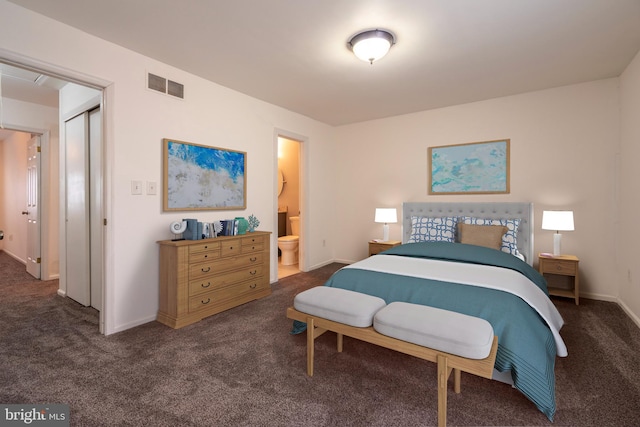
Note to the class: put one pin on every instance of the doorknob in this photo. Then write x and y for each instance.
(25, 213)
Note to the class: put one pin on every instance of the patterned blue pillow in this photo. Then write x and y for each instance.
(509, 240)
(425, 229)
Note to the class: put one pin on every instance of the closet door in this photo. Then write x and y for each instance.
(77, 209)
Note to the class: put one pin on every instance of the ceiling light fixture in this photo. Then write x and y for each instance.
(371, 45)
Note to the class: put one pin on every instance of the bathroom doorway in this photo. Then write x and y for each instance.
(289, 218)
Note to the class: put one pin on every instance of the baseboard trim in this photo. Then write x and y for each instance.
(630, 313)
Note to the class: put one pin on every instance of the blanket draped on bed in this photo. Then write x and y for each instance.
(526, 344)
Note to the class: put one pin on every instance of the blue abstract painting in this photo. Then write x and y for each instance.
(198, 177)
(478, 167)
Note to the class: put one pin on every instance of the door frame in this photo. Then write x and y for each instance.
(107, 324)
(304, 182)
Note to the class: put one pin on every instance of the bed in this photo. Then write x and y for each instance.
(488, 275)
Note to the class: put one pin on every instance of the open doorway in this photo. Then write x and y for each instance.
(24, 100)
(289, 211)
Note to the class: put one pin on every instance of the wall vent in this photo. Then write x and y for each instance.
(164, 85)
(175, 89)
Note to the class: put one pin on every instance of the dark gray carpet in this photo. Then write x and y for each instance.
(243, 368)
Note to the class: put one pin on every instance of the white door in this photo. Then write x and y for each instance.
(33, 207)
(77, 209)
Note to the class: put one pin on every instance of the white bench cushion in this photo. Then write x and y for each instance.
(340, 305)
(442, 330)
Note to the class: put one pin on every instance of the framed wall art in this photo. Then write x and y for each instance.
(472, 168)
(199, 177)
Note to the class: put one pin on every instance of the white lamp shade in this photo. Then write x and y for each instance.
(386, 215)
(557, 220)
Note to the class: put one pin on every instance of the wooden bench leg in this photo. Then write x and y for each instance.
(456, 380)
(310, 345)
(340, 340)
(443, 375)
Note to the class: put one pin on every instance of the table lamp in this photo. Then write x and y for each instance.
(558, 221)
(386, 215)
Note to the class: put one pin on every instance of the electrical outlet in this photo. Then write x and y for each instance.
(152, 187)
(136, 187)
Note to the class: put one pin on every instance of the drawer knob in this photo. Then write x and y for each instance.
(205, 286)
(253, 273)
(206, 302)
(558, 267)
(253, 259)
(206, 271)
(253, 286)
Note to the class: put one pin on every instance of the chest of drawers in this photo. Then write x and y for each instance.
(199, 278)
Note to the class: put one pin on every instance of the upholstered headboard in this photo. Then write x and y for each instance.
(490, 210)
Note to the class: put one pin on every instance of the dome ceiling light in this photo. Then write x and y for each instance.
(371, 45)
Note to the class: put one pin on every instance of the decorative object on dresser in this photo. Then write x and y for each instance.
(558, 221)
(253, 223)
(555, 268)
(386, 215)
(376, 246)
(199, 278)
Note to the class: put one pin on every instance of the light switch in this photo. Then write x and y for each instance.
(136, 187)
(152, 187)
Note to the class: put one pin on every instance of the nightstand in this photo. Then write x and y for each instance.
(377, 247)
(561, 265)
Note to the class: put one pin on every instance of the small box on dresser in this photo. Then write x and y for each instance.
(199, 278)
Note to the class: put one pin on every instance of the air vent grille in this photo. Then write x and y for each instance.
(157, 83)
(175, 89)
(161, 84)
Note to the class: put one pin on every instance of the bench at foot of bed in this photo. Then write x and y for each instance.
(456, 342)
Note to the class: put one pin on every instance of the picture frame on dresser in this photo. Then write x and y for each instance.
(199, 177)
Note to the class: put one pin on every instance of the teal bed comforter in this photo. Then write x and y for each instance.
(526, 345)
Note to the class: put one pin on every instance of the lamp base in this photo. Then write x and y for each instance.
(557, 238)
(385, 232)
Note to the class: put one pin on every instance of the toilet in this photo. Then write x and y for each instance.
(289, 244)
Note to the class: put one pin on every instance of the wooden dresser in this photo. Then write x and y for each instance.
(199, 278)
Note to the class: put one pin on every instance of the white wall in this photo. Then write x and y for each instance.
(628, 230)
(563, 144)
(136, 120)
(35, 118)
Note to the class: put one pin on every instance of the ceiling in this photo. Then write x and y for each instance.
(293, 53)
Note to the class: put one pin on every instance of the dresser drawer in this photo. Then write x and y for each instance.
(210, 299)
(209, 245)
(553, 266)
(224, 279)
(230, 247)
(247, 261)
